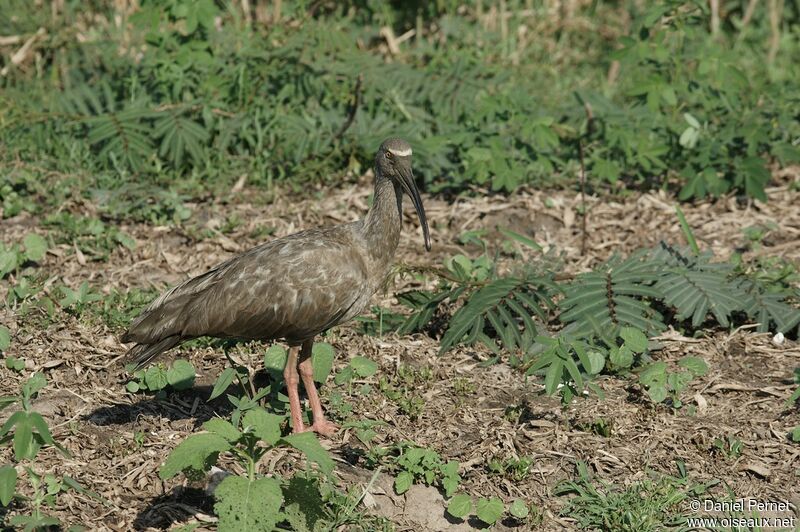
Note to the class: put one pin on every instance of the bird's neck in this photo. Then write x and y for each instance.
(384, 222)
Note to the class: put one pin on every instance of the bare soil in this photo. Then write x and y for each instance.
(471, 414)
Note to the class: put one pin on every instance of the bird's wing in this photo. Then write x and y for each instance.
(294, 287)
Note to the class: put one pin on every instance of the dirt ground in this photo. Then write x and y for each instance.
(744, 394)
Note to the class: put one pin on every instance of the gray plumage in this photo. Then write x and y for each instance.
(293, 287)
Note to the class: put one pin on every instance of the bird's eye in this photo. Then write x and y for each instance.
(389, 155)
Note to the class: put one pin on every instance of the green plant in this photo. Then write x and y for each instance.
(403, 388)
(77, 301)
(12, 256)
(662, 383)
(730, 447)
(358, 366)
(488, 510)
(607, 314)
(648, 505)
(94, 238)
(412, 463)
(256, 501)
(14, 363)
(155, 379)
(514, 468)
(120, 308)
(28, 432)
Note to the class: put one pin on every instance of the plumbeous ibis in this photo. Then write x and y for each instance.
(292, 288)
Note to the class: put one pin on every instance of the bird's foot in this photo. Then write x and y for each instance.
(324, 427)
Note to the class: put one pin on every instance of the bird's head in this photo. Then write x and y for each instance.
(394, 161)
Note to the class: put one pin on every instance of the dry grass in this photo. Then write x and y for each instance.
(466, 410)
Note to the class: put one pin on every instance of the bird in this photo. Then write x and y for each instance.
(292, 288)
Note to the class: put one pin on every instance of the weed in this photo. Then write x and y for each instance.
(255, 500)
(650, 504)
(412, 463)
(514, 468)
(94, 238)
(155, 379)
(662, 383)
(730, 447)
(13, 256)
(463, 387)
(28, 432)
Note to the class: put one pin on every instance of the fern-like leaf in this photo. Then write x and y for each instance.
(180, 135)
(125, 135)
(602, 301)
(694, 286)
(508, 306)
(424, 305)
(764, 307)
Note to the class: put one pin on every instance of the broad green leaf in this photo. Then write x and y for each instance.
(198, 452)
(635, 339)
(363, 366)
(41, 427)
(309, 445)
(460, 505)
(653, 373)
(251, 505)
(132, 386)
(8, 261)
(155, 378)
(275, 360)
(573, 370)
(553, 376)
(489, 510)
(450, 485)
(322, 360)
(621, 357)
(181, 375)
(35, 247)
(13, 419)
(596, 362)
(24, 445)
(222, 428)
(657, 393)
(33, 385)
(696, 365)
(345, 375)
(403, 482)
(8, 484)
(518, 509)
(223, 381)
(266, 426)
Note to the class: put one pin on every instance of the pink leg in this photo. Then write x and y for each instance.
(292, 382)
(321, 425)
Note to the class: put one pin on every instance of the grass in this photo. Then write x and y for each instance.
(648, 505)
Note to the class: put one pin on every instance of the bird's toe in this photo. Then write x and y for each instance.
(324, 428)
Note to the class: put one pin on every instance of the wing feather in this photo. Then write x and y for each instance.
(293, 288)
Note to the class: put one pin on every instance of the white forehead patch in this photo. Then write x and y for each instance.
(401, 153)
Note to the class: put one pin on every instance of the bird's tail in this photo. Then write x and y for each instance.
(143, 354)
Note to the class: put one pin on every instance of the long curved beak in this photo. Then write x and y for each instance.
(410, 188)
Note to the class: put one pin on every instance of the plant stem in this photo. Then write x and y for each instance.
(687, 231)
(234, 365)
